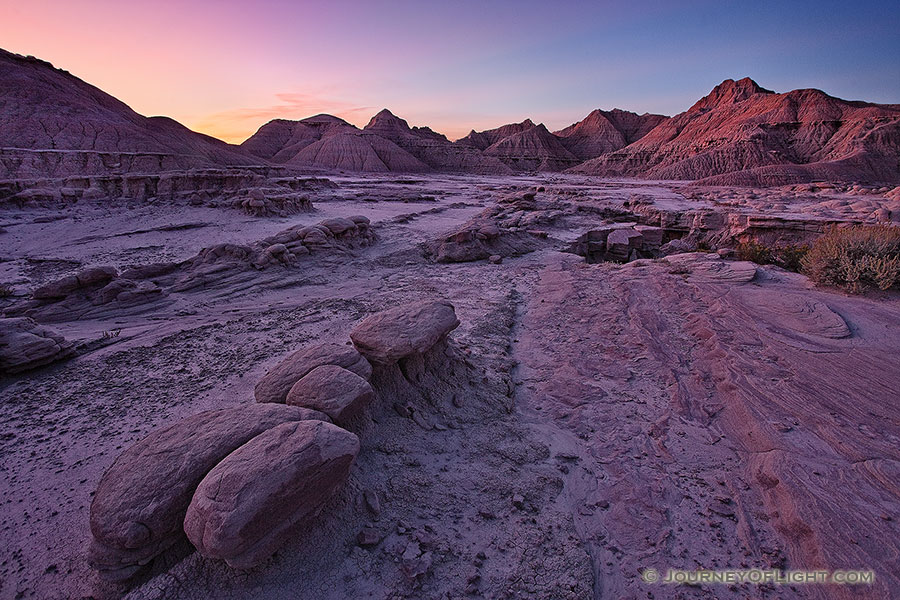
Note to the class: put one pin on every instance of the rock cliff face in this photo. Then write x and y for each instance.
(742, 134)
(52, 123)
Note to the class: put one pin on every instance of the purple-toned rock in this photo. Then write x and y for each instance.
(388, 336)
(333, 390)
(26, 345)
(139, 505)
(267, 491)
(276, 384)
(92, 276)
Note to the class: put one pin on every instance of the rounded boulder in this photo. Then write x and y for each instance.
(267, 491)
(335, 391)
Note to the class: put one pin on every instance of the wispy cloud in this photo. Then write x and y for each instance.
(238, 124)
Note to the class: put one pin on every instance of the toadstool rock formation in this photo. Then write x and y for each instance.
(388, 336)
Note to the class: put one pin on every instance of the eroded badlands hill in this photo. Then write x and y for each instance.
(743, 134)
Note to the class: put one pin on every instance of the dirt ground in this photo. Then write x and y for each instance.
(688, 412)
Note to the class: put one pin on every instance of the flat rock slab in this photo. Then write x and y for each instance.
(139, 506)
(388, 336)
(276, 384)
(268, 490)
(333, 390)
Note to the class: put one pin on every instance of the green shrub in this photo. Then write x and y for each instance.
(786, 257)
(856, 258)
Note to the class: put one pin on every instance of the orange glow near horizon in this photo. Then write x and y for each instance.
(226, 67)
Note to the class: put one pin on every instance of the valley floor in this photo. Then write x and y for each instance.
(687, 412)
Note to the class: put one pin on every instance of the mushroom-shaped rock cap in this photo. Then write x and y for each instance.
(266, 491)
(139, 505)
(388, 336)
(337, 392)
(276, 384)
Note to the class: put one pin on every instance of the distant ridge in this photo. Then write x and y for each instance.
(53, 124)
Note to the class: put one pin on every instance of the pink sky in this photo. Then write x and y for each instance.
(225, 67)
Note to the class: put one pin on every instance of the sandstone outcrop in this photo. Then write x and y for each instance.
(25, 345)
(267, 491)
(139, 506)
(509, 228)
(341, 394)
(276, 384)
(259, 192)
(101, 290)
(396, 333)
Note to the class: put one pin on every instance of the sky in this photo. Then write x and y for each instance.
(226, 67)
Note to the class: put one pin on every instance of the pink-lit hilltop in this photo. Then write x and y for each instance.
(740, 134)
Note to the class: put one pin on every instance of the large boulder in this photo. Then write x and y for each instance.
(388, 336)
(276, 384)
(26, 345)
(267, 491)
(139, 506)
(333, 390)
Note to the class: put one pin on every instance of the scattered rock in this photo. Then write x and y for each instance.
(373, 504)
(368, 537)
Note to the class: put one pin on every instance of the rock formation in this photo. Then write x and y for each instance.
(534, 149)
(341, 394)
(267, 491)
(509, 228)
(431, 148)
(358, 151)
(396, 333)
(483, 139)
(25, 345)
(742, 134)
(276, 384)
(140, 503)
(280, 140)
(102, 290)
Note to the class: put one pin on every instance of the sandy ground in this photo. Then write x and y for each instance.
(681, 413)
